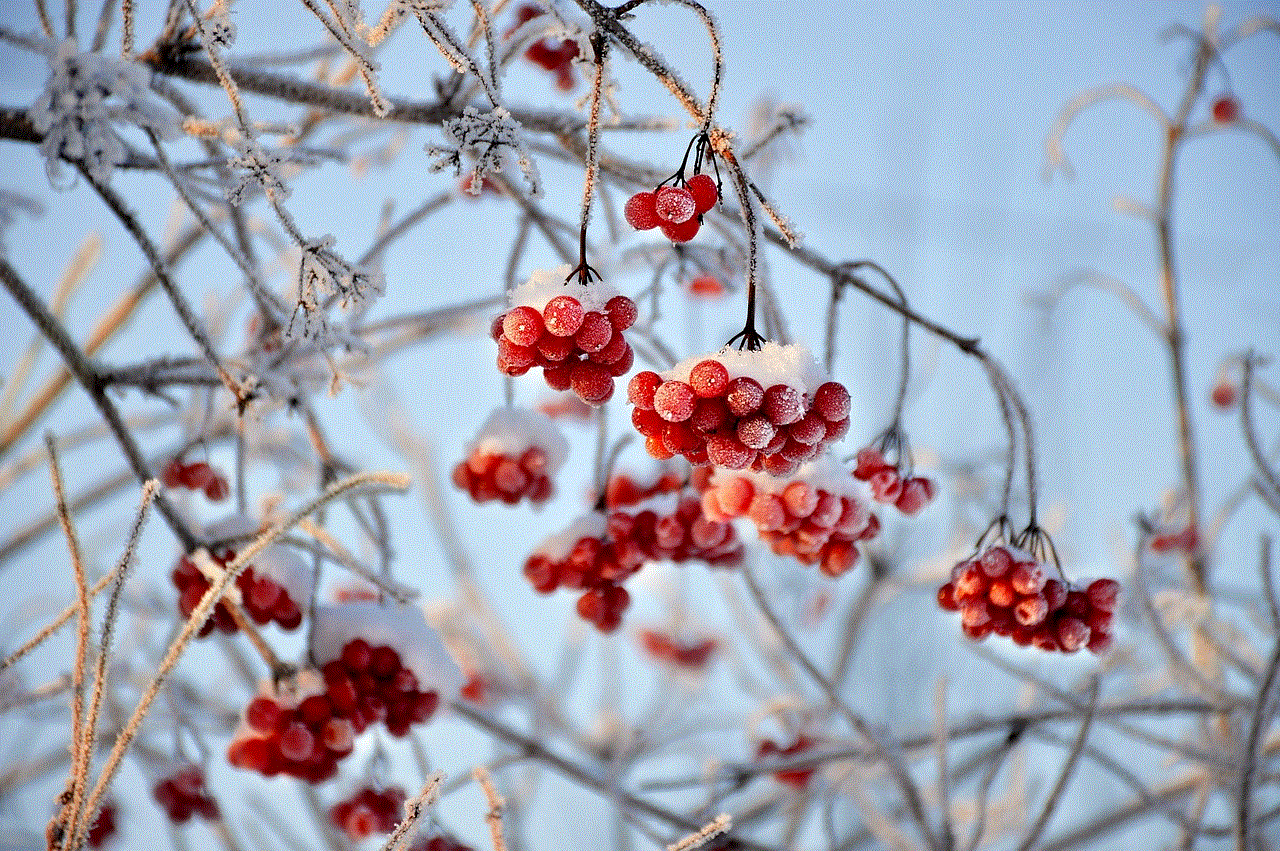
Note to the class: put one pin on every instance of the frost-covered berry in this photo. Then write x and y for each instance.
(679, 232)
(641, 211)
(513, 457)
(674, 205)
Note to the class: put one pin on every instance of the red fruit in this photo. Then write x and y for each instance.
(522, 325)
(917, 492)
(674, 401)
(1027, 578)
(809, 430)
(103, 826)
(513, 359)
(172, 474)
(870, 461)
(703, 189)
(555, 349)
(1223, 395)
(641, 389)
(198, 475)
(1055, 593)
(728, 452)
(296, 742)
(641, 211)
(384, 661)
(682, 232)
(1072, 634)
(995, 562)
(216, 489)
(563, 316)
(744, 396)
(675, 205)
(783, 404)
(755, 432)
(356, 655)
(946, 598)
(886, 485)
(707, 286)
(709, 378)
(262, 714)
(831, 401)
(558, 377)
(594, 333)
(622, 312)
(1226, 110)
(592, 382)
(1103, 594)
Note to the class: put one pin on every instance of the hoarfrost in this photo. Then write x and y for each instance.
(488, 140)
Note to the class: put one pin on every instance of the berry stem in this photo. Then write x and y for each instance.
(598, 48)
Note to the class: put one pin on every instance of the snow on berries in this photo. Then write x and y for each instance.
(513, 457)
(816, 515)
(571, 329)
(368, 811)
(598, 552)
(676, 209)
(1004, 590)
(182, 794)
(909, 494)
(378, 664)
(270, 590)
(770, 409)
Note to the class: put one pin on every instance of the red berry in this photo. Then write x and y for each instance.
(675, 205)
(594, 333)
(996, 562)
(522, 325)
(622, 312)
(1226, 110)
(682, 232)
(641, 389)
(703, 189)
(744, 396)
(886, 485)
(709, 378)
(592, 382)
(831, 401)
(641, 211)
(674, 401)
(563, 316)
(172, 476)
(869, 462)
(916, 494)
(783, 404)
(707, 286)
(1223, 395)
(1103, 594)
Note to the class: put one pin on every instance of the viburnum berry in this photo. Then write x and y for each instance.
(703, 189)
(681, 231)
(554, 55)
(674, 204)
(817, 515)
(690, 654)
(199, 476)
(796, 777)
(641, 211)
(513, 457)
(1224, 395)
(183, 795)
(707, 286)
(570, 328)
(1004, 590)
(103, 826)
(909, 494)
(740, 409)
(1226, 110)
(368, 811)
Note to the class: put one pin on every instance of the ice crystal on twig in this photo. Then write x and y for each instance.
(323, 274)
(258, 167)
(488, 139)
(86, 95)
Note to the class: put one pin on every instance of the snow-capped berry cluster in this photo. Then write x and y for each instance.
(269, 589)
(573, 330)
(395, 675)
(183, 795)
(676, 210)
(1004, 590)
(554, 55)
(512, 458)
(369, 811)
(597, 553)
(797, 777)
(908, 494)
(196, 476)
(770, 409)
(817, 515)
(689, 654)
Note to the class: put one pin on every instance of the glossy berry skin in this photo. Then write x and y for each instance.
(641, 211)
(703, 189)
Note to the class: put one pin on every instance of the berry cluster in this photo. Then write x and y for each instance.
(816, 516)
(597, 553)
(369, 811)
(692, 655)
(197, 476)
(264, 599)
(677, 210)
(908, 494)
(768, 410)
(103, 827)
(570, 329)
(797, 777)
(552, 55)
(183, 795)
(512, 458)
(305, 732)
(1004, 590)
